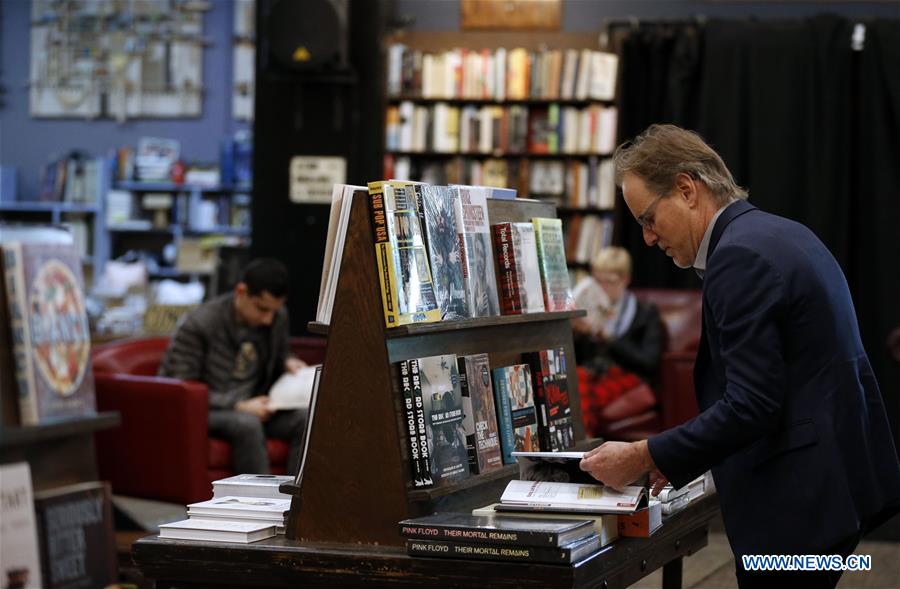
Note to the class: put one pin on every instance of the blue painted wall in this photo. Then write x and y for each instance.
(28, 143)
(588, 15)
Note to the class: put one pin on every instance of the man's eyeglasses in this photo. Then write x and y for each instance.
(647, 218)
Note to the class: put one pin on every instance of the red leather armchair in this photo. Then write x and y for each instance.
(162, 449)
(637, 415)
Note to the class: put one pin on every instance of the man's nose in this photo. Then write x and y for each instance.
(650, 238)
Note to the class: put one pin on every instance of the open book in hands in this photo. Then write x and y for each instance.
(292, 390)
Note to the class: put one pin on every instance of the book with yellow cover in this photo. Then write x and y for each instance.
(404, 275)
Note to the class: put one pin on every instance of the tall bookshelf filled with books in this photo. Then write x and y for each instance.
(534, 113)
(358, 474)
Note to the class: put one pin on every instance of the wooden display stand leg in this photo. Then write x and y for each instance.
(672, 573)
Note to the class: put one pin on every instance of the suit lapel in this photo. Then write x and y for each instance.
(704, 355)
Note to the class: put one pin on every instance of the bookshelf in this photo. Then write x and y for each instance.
(358, 481)
(474, 115)
(85, 218)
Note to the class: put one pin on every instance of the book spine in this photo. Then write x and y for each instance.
(506, 552)
(540, 400)
(475, 535)
(469, 420)
(421, 430)
(384, 258)
(507, 270)
(504, 415)
(412, 436)
(20, 330)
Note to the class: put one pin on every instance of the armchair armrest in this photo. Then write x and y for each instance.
(160, 450)
(677, 399)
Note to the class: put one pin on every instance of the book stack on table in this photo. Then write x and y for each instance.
(506, 538)
(674, 500)
(244, 508)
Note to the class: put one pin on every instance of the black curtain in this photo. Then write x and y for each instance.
(810, 125)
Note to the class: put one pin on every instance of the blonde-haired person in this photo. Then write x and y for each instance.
(620, 339)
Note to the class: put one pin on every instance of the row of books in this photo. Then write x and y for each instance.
(435, 250)
(581, 184)
(515, 129)
(74, 178)
(464, 417)
(501, 74)
(586, 235)
(244, 508)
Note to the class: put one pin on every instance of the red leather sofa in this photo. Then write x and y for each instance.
(640, 416)
(162, 449)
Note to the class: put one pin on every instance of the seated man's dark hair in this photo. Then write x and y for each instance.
(266, 274)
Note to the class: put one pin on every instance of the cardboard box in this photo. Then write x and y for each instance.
(642, 523)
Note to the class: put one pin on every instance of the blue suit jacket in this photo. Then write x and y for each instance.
(792, 422)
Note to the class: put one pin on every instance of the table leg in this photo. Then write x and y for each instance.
(672, 574)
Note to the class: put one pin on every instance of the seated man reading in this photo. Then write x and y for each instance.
(238, 345)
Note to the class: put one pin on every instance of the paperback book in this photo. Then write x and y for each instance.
(443, 412)
(571, 497)
(436, 210)
(473, 228)
(516, 417)
(242, 507)
(404, 275)
(479, 415)
(518, 271)
(50, 332)
(552, 260)
(605, 525)
(522, 531)
(416, 432)
(20, 561)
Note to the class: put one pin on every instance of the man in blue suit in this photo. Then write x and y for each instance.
(792, 423)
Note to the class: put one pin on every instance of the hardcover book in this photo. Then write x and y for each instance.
(443, 246)
(473, 228)
(251, 485)
(75, 527)
(551, 398)
(50, 332)
(605, 525)
(404, 275)
(552, 259)
(266, 508)
(479, 415)
(518, 432)
(217, 531)
(442, 399)
(509, 552)
(521, 531)
(518, 271)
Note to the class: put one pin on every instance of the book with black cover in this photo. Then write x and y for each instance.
(551, 398)
(508, 552)
(442, 399)
(510, 530)
(421, 470)
(479, 415)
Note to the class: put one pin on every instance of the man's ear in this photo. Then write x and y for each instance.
(686, 188)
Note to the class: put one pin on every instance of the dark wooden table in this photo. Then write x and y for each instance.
(279, 562)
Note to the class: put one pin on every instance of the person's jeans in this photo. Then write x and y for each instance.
(247, 436)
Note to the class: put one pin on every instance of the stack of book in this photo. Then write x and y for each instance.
(461, 535)
(244, 508)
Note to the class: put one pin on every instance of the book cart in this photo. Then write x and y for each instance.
(356, 481)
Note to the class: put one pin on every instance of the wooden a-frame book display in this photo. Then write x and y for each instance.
(356, 479)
